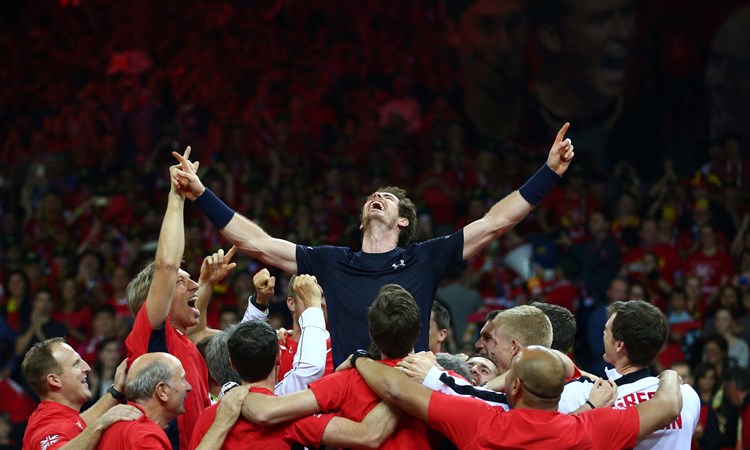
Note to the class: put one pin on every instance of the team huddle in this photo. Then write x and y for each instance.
(356, 370)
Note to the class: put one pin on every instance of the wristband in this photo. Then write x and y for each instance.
(358, 354)
(217, 211)
(254, 301)
(119, 396)
(590, 404)
(537, 186)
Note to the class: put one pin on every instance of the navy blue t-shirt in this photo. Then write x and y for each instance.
(351, 280)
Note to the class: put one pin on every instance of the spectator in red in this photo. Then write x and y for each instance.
(16, 301)
(668, 262)
(103, 326)
(73, 312)
(712, 264)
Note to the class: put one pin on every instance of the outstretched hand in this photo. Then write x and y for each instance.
(184, 176)
(217, 266)
(561, 153)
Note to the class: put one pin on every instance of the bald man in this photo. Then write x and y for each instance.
(533, 386)
(156, 386)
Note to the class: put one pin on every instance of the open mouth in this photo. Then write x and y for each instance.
(377, 205)
(191, 302)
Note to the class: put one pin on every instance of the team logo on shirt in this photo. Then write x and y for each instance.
(399, 264)
(79, 424)
(49, 441)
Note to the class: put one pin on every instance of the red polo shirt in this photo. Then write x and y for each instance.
(244, 434)
(144, 339)
(135, 435)
(346, 394)
(51, 426)
(472, 424)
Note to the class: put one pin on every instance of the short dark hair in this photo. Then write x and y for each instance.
(741, 378)
(441, 315)
(40, 362)
(563, 325)
(641, 327)
(394, 321)
(406, 209)
(253, 348)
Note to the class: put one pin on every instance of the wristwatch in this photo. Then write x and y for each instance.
(119, 396)
(359, 354)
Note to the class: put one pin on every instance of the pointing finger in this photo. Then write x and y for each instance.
(561, 133)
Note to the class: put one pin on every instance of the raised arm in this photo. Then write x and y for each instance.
(310, 360)
(239, 230)
(664, 407)
(215, 268)
(107, 401)
(395, 387)
(506, 213)
(169, 253)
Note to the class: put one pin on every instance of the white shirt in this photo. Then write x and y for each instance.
(309, 362)
(635, 388)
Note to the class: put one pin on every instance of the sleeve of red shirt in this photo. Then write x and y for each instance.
(204, 422)
(460, 419)
(612, 428)
(332, 390)
(309, 430)
(64, 429)
(137, 340)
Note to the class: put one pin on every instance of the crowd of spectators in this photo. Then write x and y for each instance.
(296, 111)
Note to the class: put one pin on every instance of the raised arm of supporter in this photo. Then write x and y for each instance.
(169, 253)
(664, 407)
(375, 428)
(89, 438)
(107, 401)
(416, 366)
(603, 395)
(227, 413)
(257, 304)
(310, 360)
(395, 388)
(506, 213)
(239, 230)
(214, 268)
(269, 410)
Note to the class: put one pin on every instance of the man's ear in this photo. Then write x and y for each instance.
(549, 38)
(53, 379)
(443, 334)
(161, 391)
(290, 304)
(403, 222)
(515, 347)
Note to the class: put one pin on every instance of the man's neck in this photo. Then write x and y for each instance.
(155, 412)
(269, 383)
(58, 398)
(378, 239)
(624, 368)
(175, 324)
